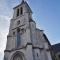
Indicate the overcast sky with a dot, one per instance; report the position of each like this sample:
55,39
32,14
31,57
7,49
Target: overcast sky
46,14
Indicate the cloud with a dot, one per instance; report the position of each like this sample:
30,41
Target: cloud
1,56
4,20
4,25
5,15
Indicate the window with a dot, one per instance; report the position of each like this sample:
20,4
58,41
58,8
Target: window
37,54
21,10
59,56
17,12
18,38
18,22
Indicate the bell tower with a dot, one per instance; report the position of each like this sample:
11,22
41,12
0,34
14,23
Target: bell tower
20,21
19,38
25,41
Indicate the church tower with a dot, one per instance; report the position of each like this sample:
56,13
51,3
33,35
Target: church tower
25,41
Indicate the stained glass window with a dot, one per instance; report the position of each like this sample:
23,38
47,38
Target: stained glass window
18,38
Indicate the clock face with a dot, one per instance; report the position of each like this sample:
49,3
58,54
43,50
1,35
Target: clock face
17,57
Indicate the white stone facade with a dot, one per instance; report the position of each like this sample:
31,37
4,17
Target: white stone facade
33,44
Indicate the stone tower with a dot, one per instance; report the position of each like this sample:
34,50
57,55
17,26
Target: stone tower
25,41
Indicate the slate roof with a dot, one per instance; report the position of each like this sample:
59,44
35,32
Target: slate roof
46,39
56,47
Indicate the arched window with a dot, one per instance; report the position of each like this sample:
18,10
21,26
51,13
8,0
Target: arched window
17,12
21,10
18,38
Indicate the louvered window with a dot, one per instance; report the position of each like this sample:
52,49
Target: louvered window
17,12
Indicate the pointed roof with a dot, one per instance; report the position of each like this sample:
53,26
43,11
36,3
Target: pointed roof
23,2
46,39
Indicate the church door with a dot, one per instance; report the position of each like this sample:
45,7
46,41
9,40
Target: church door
17,57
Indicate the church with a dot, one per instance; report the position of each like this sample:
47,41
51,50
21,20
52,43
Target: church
25,41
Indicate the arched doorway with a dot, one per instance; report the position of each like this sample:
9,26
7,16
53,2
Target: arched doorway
18,56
